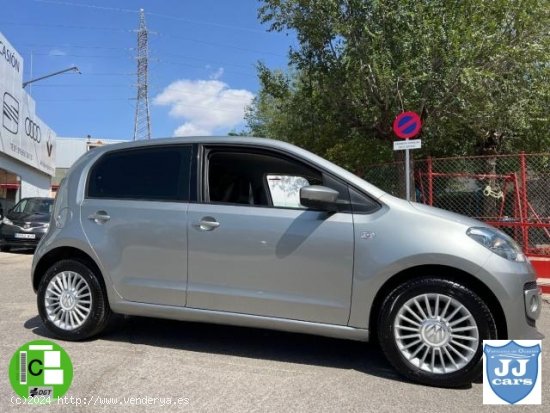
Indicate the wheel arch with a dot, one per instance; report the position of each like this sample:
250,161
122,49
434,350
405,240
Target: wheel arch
62,253
451,273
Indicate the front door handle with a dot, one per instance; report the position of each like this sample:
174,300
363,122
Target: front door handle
208,224
100,217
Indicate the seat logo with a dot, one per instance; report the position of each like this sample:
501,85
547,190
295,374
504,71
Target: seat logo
10,113
32,130
511,372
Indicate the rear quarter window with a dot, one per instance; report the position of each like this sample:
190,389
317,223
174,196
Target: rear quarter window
156,174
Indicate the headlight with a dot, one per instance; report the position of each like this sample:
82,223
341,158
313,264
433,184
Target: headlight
47,225
6,221
497,242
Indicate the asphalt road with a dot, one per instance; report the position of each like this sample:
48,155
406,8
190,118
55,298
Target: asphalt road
218,368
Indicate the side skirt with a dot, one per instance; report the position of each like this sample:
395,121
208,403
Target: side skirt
238,319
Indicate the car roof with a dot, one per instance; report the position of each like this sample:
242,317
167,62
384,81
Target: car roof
243,140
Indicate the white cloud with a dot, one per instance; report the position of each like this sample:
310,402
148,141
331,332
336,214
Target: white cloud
205,106
188,129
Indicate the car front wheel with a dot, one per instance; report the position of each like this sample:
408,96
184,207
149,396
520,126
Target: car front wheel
71,301
432,331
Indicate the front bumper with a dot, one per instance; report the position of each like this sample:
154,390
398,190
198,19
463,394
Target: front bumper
519,296
16,236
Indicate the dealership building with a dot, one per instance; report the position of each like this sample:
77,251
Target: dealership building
27,144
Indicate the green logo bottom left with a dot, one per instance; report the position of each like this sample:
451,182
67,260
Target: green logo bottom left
41,370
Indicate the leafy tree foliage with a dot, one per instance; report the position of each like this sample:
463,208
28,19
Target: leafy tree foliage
478,72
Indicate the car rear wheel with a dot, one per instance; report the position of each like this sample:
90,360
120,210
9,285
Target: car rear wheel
432,331
71,301
5,248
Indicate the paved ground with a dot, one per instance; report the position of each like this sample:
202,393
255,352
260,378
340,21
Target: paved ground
224,368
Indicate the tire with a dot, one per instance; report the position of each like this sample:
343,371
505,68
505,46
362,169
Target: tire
399,329
5,248
83,290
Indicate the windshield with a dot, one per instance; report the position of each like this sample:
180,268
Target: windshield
34,206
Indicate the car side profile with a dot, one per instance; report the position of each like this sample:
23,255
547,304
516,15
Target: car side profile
260,233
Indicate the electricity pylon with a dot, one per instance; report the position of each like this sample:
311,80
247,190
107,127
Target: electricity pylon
142,123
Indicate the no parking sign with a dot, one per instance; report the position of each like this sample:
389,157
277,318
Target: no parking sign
406,125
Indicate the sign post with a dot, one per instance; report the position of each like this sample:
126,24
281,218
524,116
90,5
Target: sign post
407,125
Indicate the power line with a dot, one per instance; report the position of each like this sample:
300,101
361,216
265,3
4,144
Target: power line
83,85
89,6
160,15
174,55
225,46
213,44
215,107
221,26
81,99
63,26
73,46
109,74
98,56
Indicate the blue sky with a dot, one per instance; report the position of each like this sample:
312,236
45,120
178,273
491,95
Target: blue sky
201,71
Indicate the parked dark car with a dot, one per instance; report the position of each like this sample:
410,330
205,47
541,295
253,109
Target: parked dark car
25,223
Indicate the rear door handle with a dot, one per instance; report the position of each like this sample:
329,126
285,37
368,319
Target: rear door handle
208,224
100,217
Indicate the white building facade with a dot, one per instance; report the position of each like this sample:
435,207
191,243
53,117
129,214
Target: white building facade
27,144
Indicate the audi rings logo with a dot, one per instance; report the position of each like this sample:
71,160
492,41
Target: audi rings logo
32,130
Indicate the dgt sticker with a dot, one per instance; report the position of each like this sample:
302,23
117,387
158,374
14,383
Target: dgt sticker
512,372
41,369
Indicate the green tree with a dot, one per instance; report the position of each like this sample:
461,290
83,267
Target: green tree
477,71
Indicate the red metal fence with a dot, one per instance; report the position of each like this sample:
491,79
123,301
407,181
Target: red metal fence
511,192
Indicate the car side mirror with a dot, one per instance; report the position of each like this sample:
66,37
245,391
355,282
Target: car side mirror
319,197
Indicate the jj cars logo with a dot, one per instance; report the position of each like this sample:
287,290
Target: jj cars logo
511,372
32,130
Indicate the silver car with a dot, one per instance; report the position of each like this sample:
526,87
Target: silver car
260,233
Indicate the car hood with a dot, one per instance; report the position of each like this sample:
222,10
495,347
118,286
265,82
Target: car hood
434,212
29,217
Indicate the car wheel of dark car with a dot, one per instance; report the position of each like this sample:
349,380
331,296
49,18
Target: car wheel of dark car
432,331
5,248
71,301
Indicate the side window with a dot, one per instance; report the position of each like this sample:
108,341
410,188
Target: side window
262,178
153,173
285,190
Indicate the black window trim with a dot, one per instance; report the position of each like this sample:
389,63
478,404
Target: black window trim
144,147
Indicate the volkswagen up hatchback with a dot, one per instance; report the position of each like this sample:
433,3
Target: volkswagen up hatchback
260,233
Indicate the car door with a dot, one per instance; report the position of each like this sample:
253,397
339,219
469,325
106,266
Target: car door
134,216
259,253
